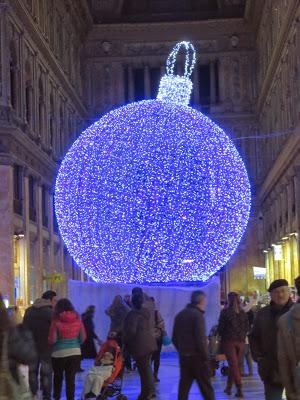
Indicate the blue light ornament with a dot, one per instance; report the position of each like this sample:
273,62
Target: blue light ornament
154,191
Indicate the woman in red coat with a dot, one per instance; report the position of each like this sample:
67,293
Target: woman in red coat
66,335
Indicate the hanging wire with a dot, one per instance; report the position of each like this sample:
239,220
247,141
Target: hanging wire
265,136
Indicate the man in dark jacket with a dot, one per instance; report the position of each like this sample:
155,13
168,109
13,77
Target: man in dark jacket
140,343
189,338
37,319
263,338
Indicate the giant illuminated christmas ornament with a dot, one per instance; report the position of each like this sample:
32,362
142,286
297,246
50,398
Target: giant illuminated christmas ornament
154,191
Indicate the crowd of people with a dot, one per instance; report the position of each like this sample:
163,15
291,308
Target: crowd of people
53,338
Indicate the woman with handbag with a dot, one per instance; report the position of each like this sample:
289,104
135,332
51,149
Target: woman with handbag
158,333
233,328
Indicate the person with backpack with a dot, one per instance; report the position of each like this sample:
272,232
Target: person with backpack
263,338
288,342
37,319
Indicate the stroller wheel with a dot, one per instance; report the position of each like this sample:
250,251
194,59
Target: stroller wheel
224,371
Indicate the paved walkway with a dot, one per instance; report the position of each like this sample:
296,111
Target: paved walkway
167,388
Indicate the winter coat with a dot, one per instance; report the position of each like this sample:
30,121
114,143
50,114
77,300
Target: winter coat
137,336
189,333
66,334
117,317
38,319
21,349
263,341
88,348
233,326
288,341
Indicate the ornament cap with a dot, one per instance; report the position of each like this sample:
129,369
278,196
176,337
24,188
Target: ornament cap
175,88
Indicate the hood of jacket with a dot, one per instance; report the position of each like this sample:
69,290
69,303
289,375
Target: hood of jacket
39,303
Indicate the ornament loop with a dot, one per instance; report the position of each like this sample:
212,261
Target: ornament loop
190,59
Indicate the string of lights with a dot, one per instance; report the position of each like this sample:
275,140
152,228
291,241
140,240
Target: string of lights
153,192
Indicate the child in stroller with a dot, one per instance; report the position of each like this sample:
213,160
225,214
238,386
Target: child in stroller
105,378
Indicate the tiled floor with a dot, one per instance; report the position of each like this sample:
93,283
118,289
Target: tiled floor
167,388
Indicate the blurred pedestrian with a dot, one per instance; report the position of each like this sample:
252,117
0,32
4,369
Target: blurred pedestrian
263,338
66,335
158,334
117,312
289,348
16,347
189,338
38,319
233,328
140,342
88,348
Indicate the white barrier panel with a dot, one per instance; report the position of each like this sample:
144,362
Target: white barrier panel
169,300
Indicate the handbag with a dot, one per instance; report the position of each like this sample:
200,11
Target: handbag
166,340
9,388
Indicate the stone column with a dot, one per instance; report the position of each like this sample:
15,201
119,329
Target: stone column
212,82
6,231
196,93
26,233
147,82
131,96
39,247
50,228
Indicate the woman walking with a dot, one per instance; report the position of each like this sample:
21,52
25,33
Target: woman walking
66,335
88,349
233,327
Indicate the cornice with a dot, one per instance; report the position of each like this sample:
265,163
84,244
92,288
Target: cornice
274,63
48,57
281,165
15,139
196,29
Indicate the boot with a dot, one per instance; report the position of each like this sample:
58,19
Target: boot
239,392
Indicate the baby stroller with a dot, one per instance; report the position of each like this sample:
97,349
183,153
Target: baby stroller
112,387
214,349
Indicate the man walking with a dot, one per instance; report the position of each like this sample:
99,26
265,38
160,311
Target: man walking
289,348
263,338
37,319
189,338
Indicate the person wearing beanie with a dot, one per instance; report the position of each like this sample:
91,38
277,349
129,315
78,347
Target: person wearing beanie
289,348
263,338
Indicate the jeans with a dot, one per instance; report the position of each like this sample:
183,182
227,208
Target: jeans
234,351
246,356
41,369
194,368
273,392
156,356
69,366
146,377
